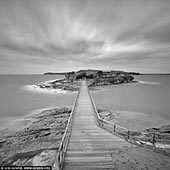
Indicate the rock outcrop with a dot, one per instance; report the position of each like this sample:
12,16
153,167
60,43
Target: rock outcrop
93,77
38,142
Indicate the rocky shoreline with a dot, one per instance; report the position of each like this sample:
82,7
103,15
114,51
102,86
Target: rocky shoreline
37,142
57,86
36,139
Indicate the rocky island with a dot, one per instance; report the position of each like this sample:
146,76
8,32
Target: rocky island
94,78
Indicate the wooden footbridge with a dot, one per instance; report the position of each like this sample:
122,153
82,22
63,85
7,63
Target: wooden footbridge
93,143
85,145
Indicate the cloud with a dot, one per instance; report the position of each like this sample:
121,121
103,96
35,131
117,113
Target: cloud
95,33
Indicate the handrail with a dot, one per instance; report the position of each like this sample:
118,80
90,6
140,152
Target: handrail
59,159
124,132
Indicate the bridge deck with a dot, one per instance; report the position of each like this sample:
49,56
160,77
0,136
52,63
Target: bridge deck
90,146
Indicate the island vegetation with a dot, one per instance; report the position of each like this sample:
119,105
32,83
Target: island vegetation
94,78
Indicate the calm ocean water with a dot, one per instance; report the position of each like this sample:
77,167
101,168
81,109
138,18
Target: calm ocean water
15,101
151,97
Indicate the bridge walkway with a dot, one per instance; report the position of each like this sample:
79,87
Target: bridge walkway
90,147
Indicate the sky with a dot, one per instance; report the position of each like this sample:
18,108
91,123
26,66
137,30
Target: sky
38,36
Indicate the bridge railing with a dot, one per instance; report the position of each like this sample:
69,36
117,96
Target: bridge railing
149,138
59,159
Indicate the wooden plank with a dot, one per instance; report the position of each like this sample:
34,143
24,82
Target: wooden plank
90,146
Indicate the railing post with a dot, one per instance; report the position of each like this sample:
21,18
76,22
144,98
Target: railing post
153,139
98,121
114,128
128,134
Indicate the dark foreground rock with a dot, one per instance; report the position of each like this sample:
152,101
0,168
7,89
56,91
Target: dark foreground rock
37,143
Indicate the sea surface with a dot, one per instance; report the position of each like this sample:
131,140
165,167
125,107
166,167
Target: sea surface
140,105
16,101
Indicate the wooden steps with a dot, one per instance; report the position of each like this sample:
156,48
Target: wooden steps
90,146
